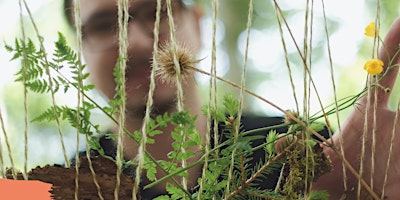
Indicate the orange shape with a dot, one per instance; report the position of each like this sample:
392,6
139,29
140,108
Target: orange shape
24,189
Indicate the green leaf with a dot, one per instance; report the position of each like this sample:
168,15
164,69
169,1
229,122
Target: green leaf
150,141
219,114
318,195
175,192
231,104
196,138
151,169
182,118
155,132
163,197
271,141
317,126
48,115
311,142
188,154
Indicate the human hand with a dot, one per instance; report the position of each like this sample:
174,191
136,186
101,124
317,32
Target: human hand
358,145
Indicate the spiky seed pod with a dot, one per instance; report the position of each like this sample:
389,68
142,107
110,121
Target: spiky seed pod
289,120
166,67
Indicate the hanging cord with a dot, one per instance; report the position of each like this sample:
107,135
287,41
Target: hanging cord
392,141
335,96
373,147
2,167
8,146
50,81
212,101
123,16
308,22
375,49
287,60
178,81
214,70
364,136
241,97
96,183
142,147
77,8
25,89
80,99
176,61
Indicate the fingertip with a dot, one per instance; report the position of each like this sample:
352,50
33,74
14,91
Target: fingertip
388,51
389,54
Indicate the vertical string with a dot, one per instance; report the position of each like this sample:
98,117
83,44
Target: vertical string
96,183
212,99
307,79
8,145
80,99
213,80
241,95
123,16
50,81
25,89
2,167
77,20
392,141
176,61
178,76
142,147
335,96
287,60
373,147
364,136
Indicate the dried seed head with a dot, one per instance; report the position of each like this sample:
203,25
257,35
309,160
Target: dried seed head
289,120
166,67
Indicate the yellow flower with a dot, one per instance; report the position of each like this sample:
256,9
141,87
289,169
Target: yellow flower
370,30
374,66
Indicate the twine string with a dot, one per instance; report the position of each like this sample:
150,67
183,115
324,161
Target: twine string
212,99
375,106
178,81
25,89
334,95
8,146
50,81
77,19
390,153
364,138
241,96
123,17
80,99
142,147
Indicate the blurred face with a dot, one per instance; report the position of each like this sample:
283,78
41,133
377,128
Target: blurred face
100,47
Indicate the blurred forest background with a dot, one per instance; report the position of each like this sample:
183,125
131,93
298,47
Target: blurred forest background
267,73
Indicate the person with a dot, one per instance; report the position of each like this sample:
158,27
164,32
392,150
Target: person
100,51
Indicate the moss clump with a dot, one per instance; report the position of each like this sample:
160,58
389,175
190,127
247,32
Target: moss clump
302,168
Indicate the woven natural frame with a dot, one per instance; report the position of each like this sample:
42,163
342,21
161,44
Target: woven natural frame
123,15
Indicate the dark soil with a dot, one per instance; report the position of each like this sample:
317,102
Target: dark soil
63,180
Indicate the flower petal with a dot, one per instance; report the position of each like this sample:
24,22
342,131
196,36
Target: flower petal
370,30
374,66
